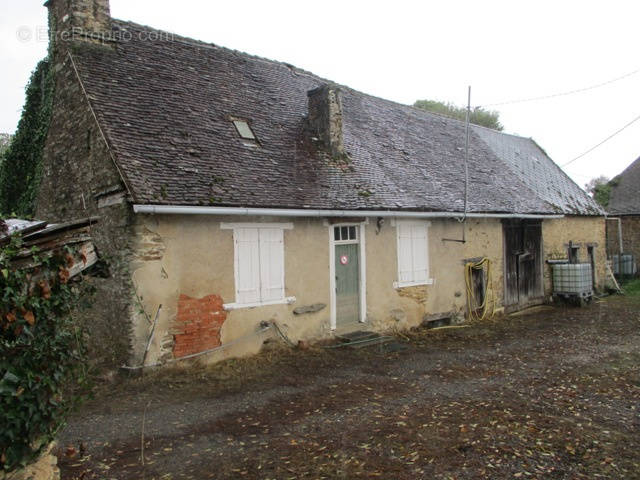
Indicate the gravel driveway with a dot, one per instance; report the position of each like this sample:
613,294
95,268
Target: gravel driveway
550,394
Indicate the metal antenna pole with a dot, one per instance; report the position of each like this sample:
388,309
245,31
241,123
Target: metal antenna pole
466,173
466,155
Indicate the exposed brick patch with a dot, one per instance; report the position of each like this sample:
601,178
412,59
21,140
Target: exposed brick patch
198,324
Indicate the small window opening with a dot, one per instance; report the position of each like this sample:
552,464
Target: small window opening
244,130
573,254
592,260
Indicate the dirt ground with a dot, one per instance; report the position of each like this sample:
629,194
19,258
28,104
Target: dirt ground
553,394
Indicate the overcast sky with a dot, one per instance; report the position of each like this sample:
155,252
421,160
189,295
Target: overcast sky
405,51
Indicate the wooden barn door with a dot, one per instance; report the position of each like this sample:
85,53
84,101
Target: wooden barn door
523,263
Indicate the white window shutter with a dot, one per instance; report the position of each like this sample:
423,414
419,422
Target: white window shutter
405,264
247,262
413,253
271,264
419,253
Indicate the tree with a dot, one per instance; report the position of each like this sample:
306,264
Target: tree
600,189
478,116
5,140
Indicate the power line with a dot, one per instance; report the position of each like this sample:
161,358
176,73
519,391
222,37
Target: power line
570,92
603,141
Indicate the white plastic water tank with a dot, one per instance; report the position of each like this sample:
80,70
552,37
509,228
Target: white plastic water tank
572,279
625,265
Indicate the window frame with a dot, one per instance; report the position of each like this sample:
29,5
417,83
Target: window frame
412,283
244,130
260,249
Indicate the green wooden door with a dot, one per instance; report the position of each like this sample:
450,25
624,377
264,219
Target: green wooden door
347,284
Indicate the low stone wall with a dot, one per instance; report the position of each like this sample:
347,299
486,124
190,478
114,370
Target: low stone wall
44,468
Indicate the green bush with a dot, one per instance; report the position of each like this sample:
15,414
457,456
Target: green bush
478,115
41,351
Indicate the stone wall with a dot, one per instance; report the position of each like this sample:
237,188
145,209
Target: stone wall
405,307
78,15
80,180
581,232
185,265
45,467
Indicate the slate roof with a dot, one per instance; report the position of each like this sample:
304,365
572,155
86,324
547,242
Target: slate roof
165,106
625,191
533,166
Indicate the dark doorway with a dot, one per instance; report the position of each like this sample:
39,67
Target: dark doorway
523,262
592,260
478,282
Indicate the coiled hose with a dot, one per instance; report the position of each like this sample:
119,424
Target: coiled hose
479,311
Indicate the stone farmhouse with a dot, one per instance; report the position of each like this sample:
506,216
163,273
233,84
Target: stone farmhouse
235,192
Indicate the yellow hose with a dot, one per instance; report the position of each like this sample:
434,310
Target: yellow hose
478,312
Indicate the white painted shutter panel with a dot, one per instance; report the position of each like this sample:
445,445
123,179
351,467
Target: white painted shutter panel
247,253
419,253
271,264
405,267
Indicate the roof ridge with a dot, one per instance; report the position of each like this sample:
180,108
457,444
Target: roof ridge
296,70
201,43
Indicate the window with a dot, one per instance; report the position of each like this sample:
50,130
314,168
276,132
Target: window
413,254
244,130
347,233
258,264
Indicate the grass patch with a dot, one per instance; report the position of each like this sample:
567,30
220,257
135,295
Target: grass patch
632,288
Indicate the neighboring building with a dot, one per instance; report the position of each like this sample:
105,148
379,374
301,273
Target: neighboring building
624,204
234,190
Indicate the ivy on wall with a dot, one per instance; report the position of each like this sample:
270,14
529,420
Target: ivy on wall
20,168
42,353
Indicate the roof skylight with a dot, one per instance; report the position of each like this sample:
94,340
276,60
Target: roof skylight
244,130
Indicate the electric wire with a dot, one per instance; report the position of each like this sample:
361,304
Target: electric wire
562,94
602,142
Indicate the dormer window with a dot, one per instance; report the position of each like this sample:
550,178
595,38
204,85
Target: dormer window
244,130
